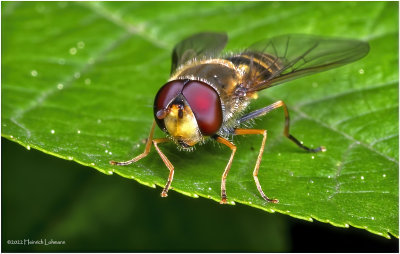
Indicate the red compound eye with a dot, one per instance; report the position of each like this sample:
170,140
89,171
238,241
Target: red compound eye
206,106
165,95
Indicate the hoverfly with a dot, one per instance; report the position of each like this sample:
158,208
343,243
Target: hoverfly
207,94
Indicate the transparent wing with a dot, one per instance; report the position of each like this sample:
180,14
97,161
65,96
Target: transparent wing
199,45
294,56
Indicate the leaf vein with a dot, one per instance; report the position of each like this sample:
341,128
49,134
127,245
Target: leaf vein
369,147
339,170
349,92
364,114
384,139
130,28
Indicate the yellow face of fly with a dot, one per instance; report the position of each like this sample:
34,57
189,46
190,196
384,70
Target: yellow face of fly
182,126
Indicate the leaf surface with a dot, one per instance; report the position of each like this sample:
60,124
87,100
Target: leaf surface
79,79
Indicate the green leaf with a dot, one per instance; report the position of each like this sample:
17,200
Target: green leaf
79,79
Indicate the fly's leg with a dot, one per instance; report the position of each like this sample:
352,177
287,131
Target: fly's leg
257,167
261,112
142,155
146,152
166,162
267,109
228,166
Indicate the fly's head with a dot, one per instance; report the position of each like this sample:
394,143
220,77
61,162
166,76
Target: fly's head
188,110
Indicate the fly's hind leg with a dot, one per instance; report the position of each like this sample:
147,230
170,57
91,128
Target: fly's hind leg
267,109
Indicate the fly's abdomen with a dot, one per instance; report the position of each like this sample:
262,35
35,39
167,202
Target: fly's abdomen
255,66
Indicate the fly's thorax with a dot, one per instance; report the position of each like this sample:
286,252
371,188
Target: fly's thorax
224,76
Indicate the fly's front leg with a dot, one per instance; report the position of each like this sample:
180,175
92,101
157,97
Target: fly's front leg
267,109
257,167
167,163
142,155
228,166
146,151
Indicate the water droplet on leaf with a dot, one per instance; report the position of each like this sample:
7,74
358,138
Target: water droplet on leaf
73,51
